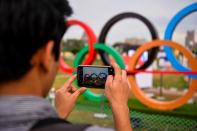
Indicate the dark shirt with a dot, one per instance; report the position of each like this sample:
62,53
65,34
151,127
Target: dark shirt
20,113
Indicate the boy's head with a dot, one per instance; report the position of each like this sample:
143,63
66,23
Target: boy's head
25,27
29,29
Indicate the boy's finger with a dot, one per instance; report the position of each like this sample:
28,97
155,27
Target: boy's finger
117,71
73,88
69,82
109,81
78,92
124,75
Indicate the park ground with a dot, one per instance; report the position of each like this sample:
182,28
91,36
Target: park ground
85,109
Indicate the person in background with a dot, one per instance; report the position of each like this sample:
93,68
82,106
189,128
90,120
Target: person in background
30,35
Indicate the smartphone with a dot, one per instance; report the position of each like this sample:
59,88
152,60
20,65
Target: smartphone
93,76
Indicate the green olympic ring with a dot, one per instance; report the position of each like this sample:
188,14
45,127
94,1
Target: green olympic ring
98,46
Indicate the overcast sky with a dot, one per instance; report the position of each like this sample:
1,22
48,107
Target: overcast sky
97,12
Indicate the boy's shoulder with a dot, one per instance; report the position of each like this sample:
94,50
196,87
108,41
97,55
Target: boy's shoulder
56,124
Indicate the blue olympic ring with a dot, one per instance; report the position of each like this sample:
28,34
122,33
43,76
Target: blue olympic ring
168,36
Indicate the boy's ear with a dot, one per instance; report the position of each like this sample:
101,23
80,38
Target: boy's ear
48,55
44,57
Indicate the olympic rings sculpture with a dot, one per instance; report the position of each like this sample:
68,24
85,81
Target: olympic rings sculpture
152,46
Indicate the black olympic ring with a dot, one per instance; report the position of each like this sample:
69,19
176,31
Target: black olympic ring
154,35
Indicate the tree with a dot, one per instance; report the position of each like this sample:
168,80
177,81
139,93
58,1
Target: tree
73,45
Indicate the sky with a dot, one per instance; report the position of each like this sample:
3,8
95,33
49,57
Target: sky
96,13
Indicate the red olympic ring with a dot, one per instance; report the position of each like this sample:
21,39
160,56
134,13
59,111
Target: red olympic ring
91,40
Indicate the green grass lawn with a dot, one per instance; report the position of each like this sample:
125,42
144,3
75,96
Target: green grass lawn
170,80
140,120
85,110
187,110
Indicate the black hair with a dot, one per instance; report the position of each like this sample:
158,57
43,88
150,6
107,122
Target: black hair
25,27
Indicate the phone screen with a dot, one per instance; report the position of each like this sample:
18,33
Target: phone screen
93,76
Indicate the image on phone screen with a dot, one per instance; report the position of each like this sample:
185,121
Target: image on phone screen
94,76
90,76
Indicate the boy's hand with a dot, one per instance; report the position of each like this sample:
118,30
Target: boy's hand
117,92
66,97
117,87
